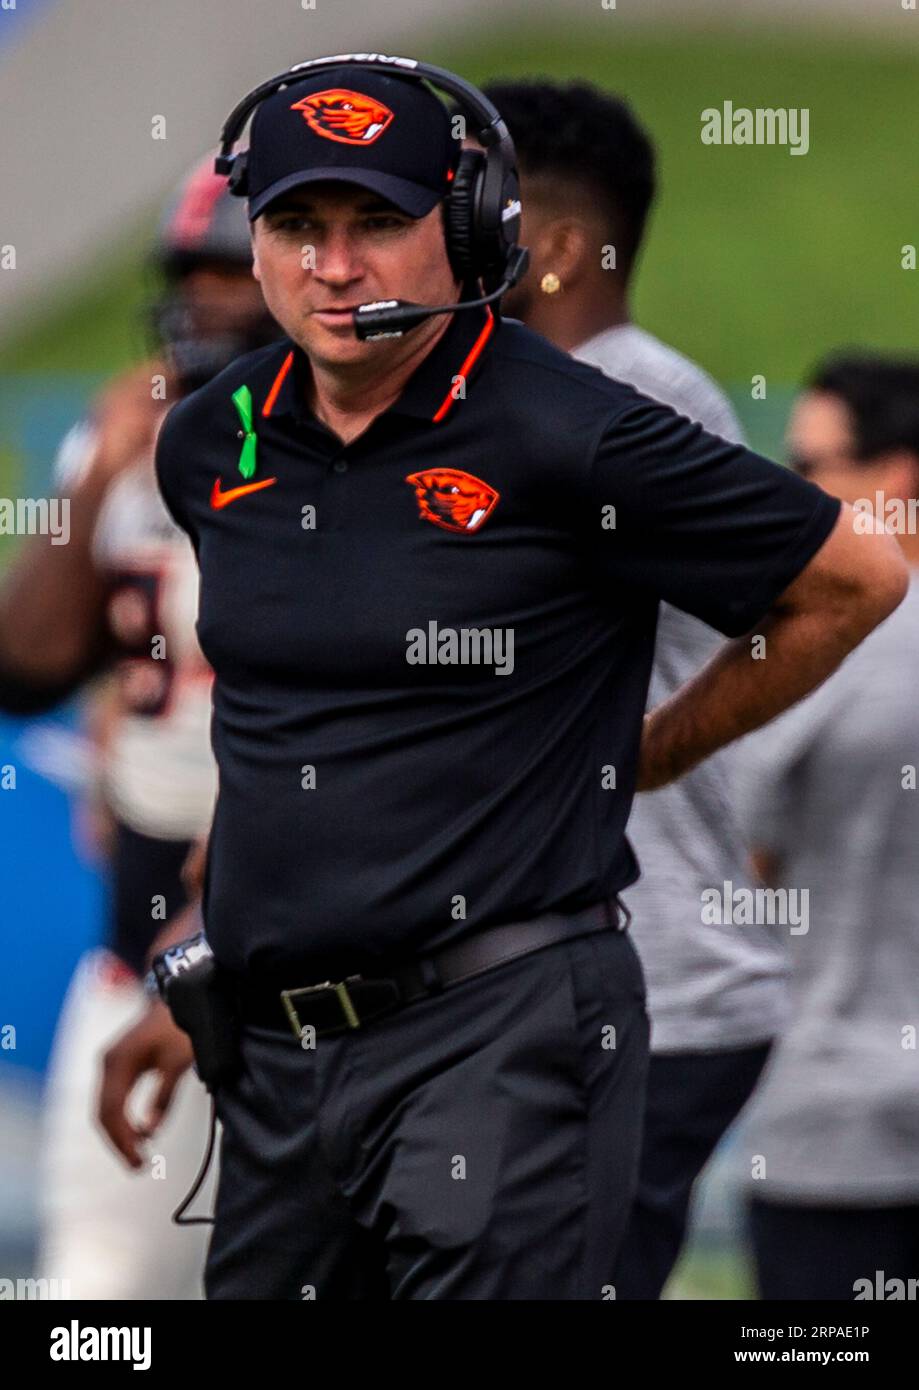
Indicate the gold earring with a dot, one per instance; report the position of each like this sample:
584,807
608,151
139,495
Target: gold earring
550,283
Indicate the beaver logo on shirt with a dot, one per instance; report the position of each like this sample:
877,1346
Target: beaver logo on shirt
452,499
339,114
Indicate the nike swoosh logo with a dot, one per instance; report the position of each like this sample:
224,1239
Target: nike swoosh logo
223,499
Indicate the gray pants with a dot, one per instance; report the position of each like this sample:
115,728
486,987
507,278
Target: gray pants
479,1144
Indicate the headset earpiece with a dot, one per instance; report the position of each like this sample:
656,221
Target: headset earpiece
238,179
497,215
460,207
482,215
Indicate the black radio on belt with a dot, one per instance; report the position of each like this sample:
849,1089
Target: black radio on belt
189,981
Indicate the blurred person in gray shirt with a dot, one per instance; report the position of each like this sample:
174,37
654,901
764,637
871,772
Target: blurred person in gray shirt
829,793
716,994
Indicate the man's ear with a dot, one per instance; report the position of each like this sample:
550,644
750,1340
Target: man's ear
256,270
566,244
900,472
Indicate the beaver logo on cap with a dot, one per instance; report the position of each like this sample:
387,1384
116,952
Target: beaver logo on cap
350,117
454,500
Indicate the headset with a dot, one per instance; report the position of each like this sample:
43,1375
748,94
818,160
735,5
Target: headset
482,207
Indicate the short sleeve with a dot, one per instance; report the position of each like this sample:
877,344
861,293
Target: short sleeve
169,472
709,526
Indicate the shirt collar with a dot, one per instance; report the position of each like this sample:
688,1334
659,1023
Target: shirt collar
430,392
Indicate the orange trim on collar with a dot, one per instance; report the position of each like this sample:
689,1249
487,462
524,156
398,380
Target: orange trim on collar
277,384
469,362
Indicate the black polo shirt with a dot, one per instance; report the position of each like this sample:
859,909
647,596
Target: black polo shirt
387,783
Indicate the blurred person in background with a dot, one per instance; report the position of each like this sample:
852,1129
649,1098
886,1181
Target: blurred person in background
121,599
831,801
716,995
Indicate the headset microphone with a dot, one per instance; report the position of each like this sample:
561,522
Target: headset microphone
390,318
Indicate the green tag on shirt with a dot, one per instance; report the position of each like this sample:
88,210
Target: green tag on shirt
242,399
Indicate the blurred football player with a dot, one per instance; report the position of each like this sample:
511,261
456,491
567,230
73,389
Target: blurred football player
716,998
121,600
829,795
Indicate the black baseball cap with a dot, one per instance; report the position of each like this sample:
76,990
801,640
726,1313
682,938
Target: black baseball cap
389,134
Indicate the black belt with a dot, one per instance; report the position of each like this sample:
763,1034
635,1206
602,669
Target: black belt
337,1007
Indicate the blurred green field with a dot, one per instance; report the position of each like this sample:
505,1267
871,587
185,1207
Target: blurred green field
707,1273
757,262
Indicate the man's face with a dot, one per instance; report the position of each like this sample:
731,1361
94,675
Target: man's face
326,248
821,443
221,298
822,447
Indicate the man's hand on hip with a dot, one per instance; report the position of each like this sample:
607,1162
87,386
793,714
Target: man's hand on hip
852,583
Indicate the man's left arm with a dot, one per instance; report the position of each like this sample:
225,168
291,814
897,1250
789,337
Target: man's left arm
852,583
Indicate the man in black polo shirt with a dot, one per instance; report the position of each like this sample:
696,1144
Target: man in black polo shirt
430,573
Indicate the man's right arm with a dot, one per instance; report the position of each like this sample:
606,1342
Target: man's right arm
52,606
52,603
154,1043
